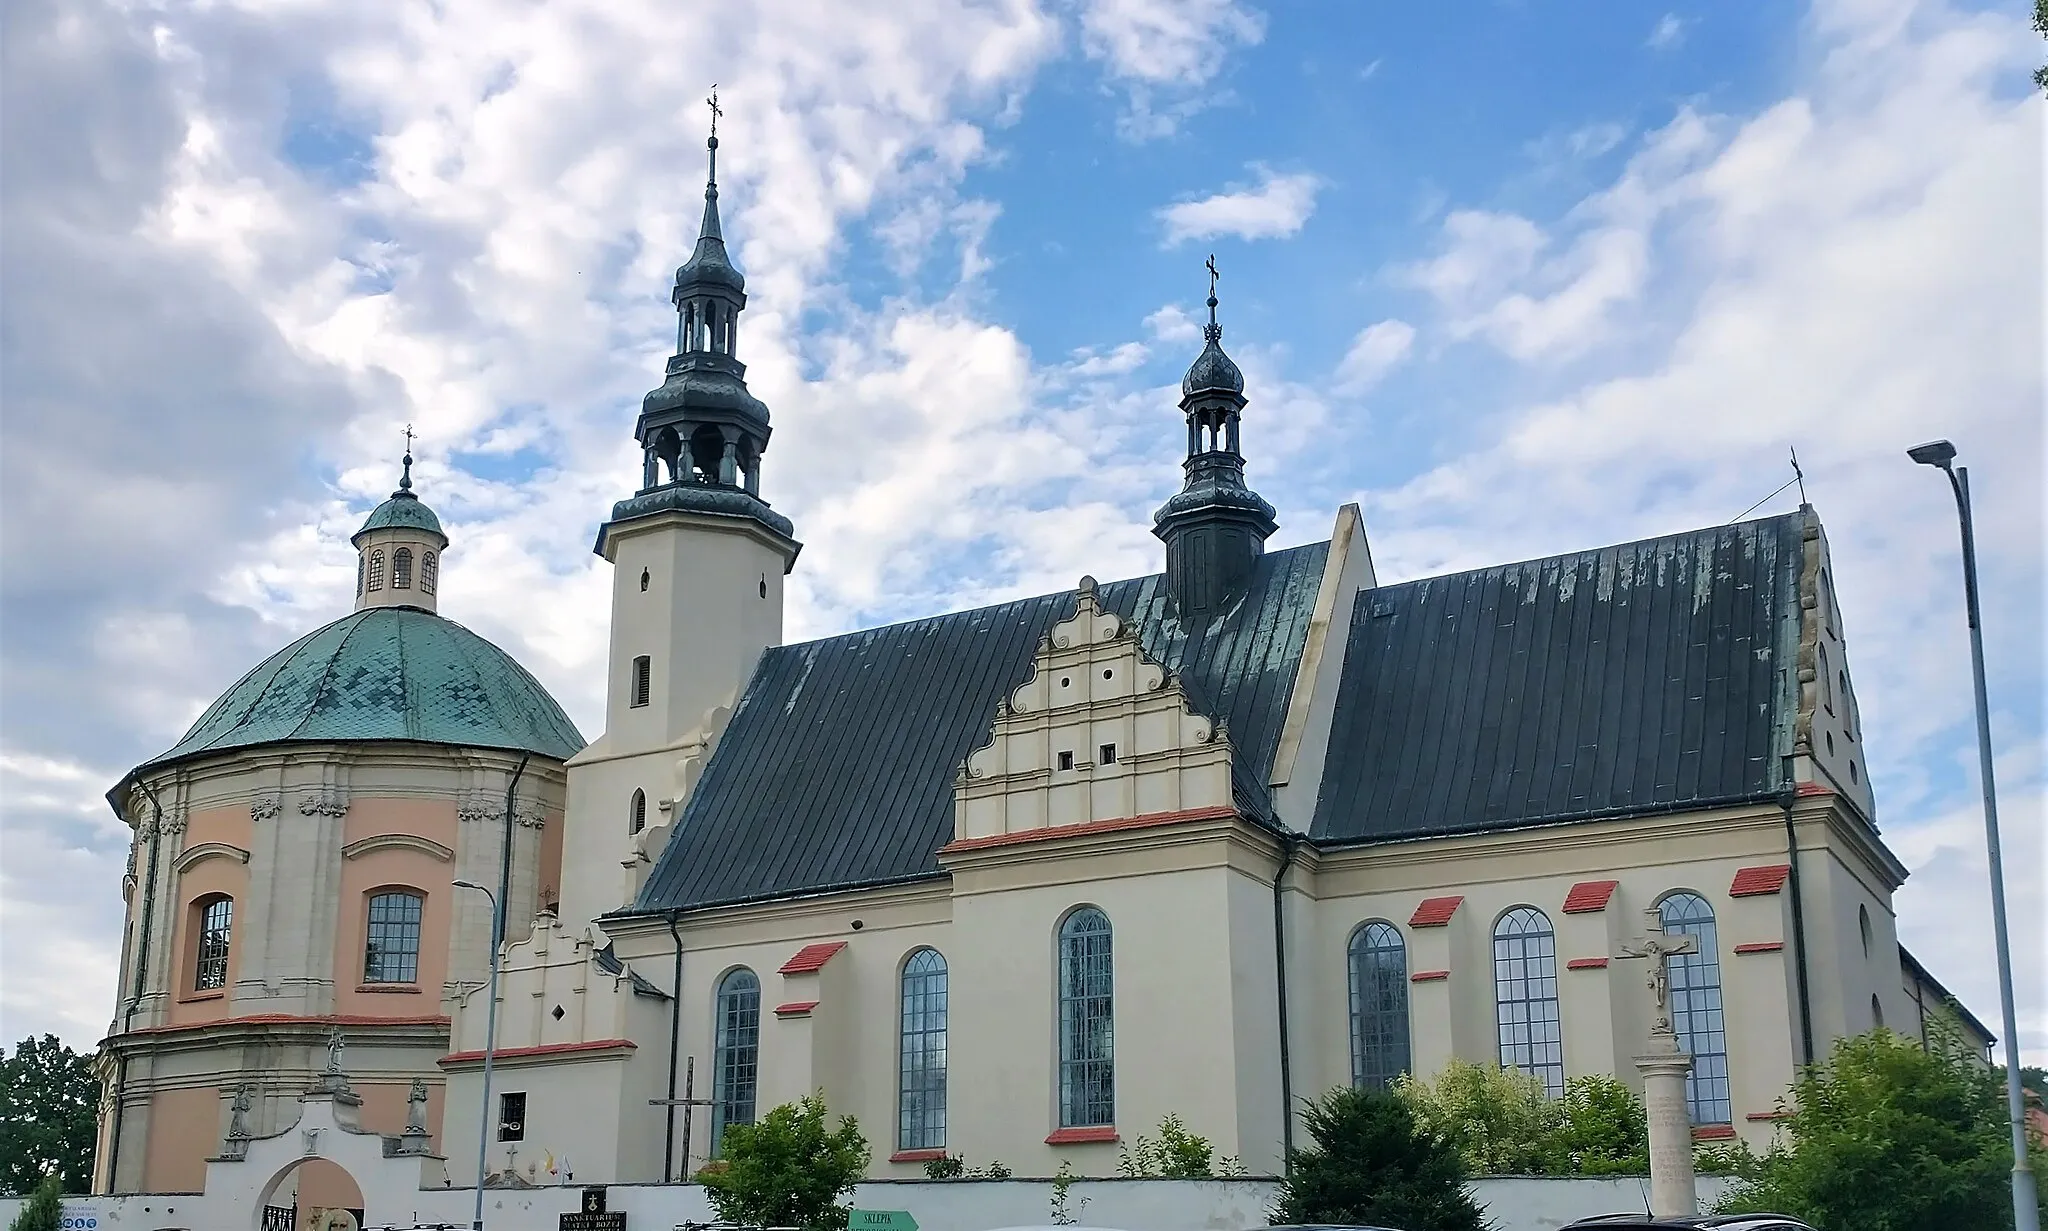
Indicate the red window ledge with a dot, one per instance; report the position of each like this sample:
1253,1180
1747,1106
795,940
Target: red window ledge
389,989
1714,1132
1435,912
215,994
1768,1115
796,1008
1759,881
1586,963
1762,946
1428,976
1587,897
1081,1136
917,1156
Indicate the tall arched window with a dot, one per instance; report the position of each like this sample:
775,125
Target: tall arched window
1087,1010
921,1077
216,933
736,1054
430,571
376,571
638,812
360,563
1525,996
401,569
391,939
1379,1006
1824,675
1696,1007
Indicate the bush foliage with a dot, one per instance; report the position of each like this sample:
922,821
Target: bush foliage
1372,1164
1501,1123
1888,1135
788,1170
44,1211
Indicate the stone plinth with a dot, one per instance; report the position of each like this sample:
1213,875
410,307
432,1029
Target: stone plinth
1664,1068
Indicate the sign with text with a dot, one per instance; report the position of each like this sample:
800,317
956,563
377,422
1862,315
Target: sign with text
880,1220
611,1220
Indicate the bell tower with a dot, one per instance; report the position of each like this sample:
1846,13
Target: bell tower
698,561
1215,527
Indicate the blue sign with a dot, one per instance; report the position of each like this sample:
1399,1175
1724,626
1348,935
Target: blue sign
79,1220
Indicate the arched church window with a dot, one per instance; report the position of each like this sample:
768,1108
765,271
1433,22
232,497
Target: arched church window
391,948
1863,926
216,934
1087,1011
1525,997
639,811
1696,1013
1378,964
921,1076
736,1053
1826,677
430,571
401,569
376,570
643,675
360,563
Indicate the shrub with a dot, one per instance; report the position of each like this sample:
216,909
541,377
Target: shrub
1498,1120
1599,1128
1887,1135
1065,1211
44,1210
788,1170
945,1167
1176,1154
1372,1164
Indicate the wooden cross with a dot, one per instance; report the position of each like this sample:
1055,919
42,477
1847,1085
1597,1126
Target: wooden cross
687,1102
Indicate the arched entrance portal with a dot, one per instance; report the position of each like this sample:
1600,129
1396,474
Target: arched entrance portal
312,1194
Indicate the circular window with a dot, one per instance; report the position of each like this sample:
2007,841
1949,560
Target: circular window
1065,681
1106,673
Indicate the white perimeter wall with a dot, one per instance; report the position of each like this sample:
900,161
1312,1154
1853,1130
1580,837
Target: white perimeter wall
1514,1203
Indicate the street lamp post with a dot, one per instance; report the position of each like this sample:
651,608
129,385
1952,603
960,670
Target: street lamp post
483,1131
2026,1214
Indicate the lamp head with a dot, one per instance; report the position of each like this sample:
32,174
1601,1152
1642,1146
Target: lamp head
1933,453
460,884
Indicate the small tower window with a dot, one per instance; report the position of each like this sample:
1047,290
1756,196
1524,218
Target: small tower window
639,821
216,931
646,578
401,569
360,562
1108,754
376,571
430,571
1066,760
643,676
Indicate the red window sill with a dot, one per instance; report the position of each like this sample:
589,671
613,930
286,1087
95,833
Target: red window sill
390,989
1429,976
1768,1115
1586,963
916,1156
1082,1136
219,993
1764,946
1714,1132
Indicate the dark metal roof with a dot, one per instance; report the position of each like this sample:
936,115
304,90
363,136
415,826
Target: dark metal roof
1644,677
837,767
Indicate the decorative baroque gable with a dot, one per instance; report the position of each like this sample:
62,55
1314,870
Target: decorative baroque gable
1091,688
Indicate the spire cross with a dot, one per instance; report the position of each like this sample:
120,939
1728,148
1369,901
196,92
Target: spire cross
1210,265
405,479
716,110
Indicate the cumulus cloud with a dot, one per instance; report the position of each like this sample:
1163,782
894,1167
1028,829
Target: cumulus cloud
1668,32
1378,349
1274,208
1164,52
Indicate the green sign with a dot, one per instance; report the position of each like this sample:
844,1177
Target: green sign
880,1220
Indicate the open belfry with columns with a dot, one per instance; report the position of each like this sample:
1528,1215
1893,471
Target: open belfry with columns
1012,883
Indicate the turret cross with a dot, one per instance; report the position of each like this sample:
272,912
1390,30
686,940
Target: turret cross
716,110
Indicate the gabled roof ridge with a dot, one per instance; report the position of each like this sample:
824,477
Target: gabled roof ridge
1007,603
1583,552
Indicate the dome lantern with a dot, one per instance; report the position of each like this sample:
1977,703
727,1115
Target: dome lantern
399,549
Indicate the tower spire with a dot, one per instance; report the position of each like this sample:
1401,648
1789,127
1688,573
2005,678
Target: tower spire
1215,527
405,475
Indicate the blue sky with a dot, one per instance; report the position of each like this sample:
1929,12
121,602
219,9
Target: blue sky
1519,278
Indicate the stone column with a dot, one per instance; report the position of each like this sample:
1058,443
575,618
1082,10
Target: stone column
1664,1068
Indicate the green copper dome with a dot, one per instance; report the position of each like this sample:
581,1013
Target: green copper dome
403,510
385,673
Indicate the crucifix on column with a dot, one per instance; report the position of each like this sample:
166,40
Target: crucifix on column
1664,1067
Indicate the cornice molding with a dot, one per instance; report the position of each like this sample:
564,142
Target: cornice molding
397,841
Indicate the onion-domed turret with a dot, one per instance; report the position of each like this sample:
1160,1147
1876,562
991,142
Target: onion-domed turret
1215,527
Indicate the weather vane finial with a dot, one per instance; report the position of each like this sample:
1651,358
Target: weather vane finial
405,478
1210,265
716,111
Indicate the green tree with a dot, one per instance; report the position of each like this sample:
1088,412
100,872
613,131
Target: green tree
1373,1165
2041,27
1498,1120
1887,1135
48,1103
1600,1129
788,1170
44,1211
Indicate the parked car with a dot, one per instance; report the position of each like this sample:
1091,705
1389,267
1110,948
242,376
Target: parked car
1688,1222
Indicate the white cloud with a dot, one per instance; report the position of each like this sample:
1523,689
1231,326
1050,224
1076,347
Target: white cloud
1274,208
1377,350
1851,270
1172,323
1668,33
1164,52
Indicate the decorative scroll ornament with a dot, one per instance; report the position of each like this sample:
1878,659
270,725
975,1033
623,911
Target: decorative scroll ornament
323,803
263,807
174,823
530,819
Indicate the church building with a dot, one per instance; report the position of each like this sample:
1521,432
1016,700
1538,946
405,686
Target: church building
1015,883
